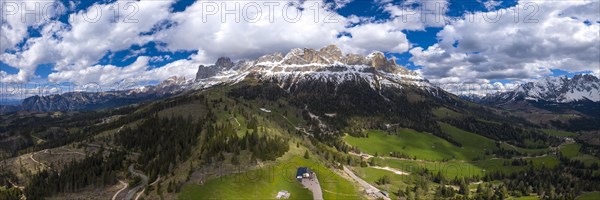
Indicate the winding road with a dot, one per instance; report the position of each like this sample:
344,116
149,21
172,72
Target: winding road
137,188
364,184
121,190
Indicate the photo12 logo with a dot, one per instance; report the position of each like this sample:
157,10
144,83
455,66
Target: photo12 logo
265,11
35,12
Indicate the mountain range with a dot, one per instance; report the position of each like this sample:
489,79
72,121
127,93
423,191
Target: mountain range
298,66
329,65
581,93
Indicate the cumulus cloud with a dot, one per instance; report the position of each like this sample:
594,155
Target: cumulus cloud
265,27
485,46
417,14
137,72
474,48
15,22
237,29
87,37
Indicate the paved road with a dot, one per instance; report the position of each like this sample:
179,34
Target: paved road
314,186
365,185
124,187
142,185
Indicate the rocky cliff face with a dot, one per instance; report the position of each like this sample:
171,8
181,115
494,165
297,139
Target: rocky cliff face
299,65
222,64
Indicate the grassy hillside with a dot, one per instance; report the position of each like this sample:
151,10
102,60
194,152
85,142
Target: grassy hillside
472,144
589,196
460,169
416,144
264,183
559,133
571,151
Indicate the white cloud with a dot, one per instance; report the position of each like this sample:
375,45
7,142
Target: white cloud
479,89
87,38
417,14
504,49
220,34
374,36
76,47
137,72
490,4
16,21
103,74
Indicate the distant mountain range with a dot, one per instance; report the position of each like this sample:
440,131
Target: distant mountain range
557,94
582,87
76,101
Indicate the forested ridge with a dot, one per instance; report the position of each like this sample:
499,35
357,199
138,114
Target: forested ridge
96,170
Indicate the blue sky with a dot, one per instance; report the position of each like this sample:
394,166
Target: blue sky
171,37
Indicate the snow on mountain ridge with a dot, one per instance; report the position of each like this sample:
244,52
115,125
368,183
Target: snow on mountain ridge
326,64
554,89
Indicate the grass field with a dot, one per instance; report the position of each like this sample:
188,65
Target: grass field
422,145
525,198
474,145
587,159
459,169
371,175
432,148
570,150
524,150
559,133
443,112
589,196
264,183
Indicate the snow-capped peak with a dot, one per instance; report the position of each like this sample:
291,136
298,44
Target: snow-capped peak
559,89
326,64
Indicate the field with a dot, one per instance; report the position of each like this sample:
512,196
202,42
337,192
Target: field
443,112
452,169
559,133
589,196
472,143
572,151
264,183
524,150
428,147
371,175
420,145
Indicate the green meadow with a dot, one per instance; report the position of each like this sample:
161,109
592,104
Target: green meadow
589,196
559,133
421,145
371,175
452,169
572,151
264,183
